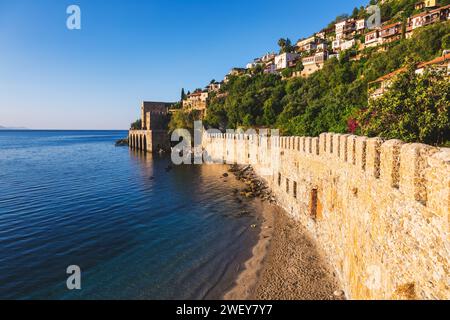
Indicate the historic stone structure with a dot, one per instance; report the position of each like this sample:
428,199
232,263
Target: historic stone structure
153,135
379,209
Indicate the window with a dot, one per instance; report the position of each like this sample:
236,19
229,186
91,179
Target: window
287,185
279,179
295,189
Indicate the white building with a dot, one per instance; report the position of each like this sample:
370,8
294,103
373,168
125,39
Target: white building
333,55
284,60
336,45
372,39
340,30
341,45
345,28
268,57
214,86
348,44
322,47
307,44
254,63
321,35
360,25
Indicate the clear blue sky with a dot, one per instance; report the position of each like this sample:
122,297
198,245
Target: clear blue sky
134,50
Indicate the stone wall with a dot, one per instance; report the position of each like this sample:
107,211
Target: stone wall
153,135
379,209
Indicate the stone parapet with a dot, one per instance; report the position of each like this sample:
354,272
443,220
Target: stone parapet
379,209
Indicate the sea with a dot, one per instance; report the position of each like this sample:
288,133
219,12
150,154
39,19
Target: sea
134,225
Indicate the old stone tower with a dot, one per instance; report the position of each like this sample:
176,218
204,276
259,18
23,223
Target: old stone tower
153,135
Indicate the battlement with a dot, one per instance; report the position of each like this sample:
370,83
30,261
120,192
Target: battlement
382,205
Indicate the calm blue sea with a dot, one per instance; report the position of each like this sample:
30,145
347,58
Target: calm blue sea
135,230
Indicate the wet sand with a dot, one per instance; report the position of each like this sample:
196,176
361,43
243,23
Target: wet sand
286,263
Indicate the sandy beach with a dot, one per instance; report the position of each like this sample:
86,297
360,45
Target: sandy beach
286,263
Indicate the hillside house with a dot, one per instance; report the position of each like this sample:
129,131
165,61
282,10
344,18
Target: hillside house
372,38
309,44
380,86
268,57
345,29
313,63
341,45
198,100
391,32
430,17
426,4
360,26
234,72
322,47
336,44
321,35
347,44
214,86
285,60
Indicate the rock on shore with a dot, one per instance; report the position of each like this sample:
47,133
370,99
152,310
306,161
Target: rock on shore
122,142
255,186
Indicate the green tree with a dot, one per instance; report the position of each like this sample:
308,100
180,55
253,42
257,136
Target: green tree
331,99
285,45
286,73
415,109
182,119
137,125
446,42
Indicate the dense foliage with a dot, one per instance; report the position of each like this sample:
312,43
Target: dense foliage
137,125
416,108
331,99
335,98
401,9
182,119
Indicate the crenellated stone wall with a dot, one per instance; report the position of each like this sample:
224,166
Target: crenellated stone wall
379,209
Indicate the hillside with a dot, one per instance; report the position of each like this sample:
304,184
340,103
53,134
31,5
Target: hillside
335,98
329,100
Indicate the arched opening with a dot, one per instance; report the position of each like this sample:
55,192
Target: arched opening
131,141
144,143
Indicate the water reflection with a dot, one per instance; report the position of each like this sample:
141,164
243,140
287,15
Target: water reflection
137,230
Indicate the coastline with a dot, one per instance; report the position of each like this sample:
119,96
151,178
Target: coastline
286,263
248,279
